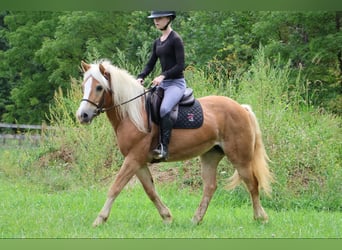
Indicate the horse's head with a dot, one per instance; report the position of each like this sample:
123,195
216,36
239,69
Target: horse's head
96,92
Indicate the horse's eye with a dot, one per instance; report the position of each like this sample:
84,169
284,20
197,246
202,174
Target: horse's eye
99,88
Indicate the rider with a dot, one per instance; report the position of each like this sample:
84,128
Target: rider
169,49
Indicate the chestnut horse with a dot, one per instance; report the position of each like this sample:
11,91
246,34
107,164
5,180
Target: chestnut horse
229,129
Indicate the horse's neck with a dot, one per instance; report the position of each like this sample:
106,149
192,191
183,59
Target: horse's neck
127,134
119,123
114,118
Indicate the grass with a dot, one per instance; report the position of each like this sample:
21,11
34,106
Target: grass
30,211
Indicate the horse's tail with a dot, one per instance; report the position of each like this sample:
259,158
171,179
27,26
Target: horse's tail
259,162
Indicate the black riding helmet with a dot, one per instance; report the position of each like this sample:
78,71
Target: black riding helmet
156,14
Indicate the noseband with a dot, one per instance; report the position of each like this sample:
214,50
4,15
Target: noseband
99,107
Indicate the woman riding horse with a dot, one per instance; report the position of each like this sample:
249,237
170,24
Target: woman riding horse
169,49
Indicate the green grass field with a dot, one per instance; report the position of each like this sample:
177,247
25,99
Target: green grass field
30,211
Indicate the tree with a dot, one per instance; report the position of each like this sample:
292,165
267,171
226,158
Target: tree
220,41
77,35
24,74
45,49
40,51
312,41
4,87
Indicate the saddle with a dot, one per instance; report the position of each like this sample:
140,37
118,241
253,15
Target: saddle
187,113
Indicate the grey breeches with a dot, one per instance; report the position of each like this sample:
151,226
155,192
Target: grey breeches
173,92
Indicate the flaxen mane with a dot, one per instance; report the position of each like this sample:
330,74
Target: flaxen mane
125,87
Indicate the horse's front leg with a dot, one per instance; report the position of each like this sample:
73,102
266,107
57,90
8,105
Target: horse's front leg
146,180
126,172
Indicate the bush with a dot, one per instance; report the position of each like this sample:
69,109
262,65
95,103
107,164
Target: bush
302,142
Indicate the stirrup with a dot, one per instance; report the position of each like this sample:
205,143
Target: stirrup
159,153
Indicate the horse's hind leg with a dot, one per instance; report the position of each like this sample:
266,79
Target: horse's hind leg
246,174
145,177
209,162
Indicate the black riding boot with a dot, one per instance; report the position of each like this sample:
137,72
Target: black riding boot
165,133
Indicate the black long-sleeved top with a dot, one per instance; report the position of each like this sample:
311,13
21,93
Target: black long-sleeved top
171,56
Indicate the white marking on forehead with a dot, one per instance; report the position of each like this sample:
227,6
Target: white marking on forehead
86,93
87,88
94,72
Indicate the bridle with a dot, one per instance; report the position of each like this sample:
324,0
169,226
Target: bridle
99,107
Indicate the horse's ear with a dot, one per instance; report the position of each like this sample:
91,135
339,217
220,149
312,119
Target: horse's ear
102,69
104,72
84,66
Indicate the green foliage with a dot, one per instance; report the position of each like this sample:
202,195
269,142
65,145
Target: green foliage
45,50
312,41
21,71
226,44
40,51
303,144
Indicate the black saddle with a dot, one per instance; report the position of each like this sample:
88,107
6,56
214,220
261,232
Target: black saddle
187,113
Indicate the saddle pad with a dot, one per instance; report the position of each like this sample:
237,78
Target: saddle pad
189,116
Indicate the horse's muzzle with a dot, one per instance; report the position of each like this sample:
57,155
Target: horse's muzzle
85,117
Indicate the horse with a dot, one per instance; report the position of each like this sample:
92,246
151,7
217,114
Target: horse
229,129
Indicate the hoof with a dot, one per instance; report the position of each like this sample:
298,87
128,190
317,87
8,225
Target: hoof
263,219
195,221
99,220
260,215
167,220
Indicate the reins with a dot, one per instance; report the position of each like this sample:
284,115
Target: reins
101,109
150,89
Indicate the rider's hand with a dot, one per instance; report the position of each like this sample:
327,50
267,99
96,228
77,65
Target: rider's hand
158,79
